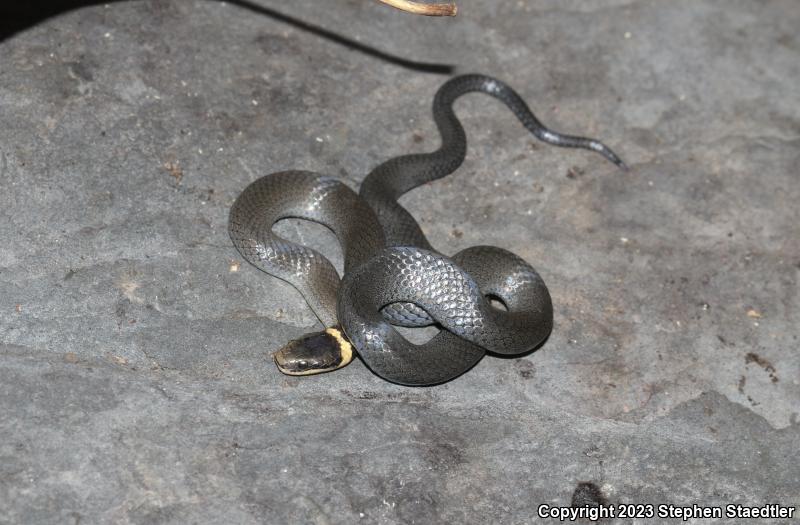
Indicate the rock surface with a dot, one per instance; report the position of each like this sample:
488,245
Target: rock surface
135,380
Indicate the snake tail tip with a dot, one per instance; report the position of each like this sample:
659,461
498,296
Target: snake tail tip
618,162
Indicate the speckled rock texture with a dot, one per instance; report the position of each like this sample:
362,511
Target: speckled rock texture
135,378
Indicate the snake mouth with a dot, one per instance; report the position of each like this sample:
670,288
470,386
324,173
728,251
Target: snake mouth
314,353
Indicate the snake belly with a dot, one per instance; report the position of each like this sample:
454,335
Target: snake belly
393,276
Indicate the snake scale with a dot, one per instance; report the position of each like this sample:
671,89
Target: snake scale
392,275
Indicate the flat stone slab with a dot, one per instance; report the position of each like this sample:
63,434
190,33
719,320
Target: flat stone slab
136,384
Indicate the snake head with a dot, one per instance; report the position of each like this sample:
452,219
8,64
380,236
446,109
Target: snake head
314,353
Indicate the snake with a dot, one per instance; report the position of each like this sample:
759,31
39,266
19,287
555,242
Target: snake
483,299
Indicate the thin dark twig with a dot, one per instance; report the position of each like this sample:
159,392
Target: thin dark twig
18,16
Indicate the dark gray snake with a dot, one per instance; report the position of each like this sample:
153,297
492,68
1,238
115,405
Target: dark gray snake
392,274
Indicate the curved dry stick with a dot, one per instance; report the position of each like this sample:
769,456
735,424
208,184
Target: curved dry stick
423,9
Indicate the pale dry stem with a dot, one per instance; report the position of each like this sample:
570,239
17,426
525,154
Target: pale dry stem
423,9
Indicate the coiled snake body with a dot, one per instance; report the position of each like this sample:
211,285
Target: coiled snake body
392,274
